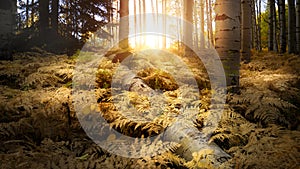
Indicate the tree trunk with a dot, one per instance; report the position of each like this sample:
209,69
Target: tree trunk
246,30
144,23
44,18
54,15
254,32
164,12
282,21
292,27
275,43
187,27
27,13
298,25
228,42
124,24
140,23
8,10
210,23
271,4
202,41
135,22
196,40
32,12
259,47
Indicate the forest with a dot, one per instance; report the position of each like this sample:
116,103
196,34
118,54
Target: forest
150,84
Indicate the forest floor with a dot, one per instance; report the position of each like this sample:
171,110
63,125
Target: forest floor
260,126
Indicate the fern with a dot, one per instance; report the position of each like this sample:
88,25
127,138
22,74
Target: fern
263,107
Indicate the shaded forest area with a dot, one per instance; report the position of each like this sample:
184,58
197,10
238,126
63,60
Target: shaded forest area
43,42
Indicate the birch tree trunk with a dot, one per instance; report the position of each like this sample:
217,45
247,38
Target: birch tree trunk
292,27
228,38
246,30
282,23
124,24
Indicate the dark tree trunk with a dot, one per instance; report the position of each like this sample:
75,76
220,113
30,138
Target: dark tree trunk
254,31
27,13
259,48
32,11
8,10
292,27
282,21
275,43
44,18
271,4
246,30
54,16
298,25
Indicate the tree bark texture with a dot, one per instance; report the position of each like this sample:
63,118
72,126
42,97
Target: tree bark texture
298,25
271,4
124,24
282,22
227,39
188,25
292,27
8,10
246,30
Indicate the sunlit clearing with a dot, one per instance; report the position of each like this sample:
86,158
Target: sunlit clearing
149,41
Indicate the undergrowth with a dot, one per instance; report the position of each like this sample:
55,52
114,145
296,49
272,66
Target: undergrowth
39,128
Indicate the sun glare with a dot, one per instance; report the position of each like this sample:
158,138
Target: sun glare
136,27
149,41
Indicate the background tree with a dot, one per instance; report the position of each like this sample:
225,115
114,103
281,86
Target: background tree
271,5
258,25
202,41
43,19
282,23
274,15
187,27
292,27
54,16
124,24
246,30
298,25
7,27
228,38
209,22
